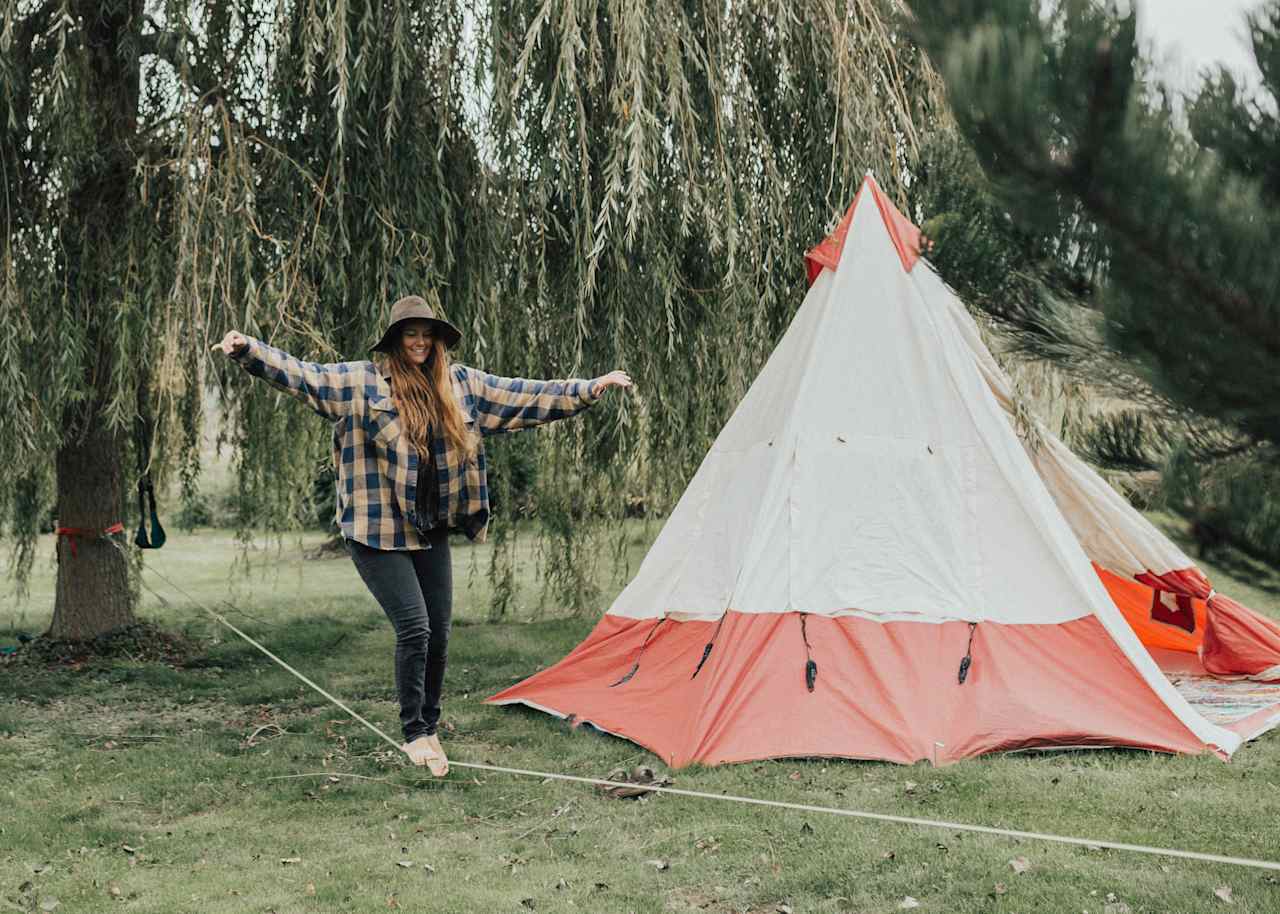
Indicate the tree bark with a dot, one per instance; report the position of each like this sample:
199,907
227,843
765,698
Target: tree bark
93,594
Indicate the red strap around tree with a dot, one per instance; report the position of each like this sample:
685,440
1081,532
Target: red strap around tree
87,532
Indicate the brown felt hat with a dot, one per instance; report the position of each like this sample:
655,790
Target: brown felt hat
408,308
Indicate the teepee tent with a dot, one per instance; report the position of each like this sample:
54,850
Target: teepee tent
871,562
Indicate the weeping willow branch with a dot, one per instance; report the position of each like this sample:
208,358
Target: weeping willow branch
580,185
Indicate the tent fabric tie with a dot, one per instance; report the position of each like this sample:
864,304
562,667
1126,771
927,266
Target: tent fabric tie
706,651
636,666
74,533
968,656
754,801
810,668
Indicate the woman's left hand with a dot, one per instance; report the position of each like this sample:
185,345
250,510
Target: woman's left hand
612,379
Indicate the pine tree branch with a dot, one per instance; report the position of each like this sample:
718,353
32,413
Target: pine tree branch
1186,236
1237,309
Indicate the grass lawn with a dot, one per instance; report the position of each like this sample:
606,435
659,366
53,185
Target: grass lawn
227,786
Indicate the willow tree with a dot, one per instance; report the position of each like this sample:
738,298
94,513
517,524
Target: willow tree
579,185
663,166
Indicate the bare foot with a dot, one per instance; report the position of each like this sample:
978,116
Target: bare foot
440,765
424,751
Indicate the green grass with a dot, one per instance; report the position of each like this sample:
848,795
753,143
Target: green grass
141,780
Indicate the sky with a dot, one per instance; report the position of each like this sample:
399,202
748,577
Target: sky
1185,36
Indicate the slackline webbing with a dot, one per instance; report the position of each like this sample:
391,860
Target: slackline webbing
755,801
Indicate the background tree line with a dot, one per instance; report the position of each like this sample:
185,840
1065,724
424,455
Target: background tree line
581,185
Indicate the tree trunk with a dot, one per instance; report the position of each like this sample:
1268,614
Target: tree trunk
93,594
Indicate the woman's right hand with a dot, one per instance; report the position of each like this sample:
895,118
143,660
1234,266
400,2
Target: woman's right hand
234,342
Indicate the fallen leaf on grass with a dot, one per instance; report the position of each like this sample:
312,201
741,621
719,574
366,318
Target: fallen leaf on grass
1223,892
1020,865
113,890
310,889
1001,888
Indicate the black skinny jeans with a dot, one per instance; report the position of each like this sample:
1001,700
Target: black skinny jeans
415,589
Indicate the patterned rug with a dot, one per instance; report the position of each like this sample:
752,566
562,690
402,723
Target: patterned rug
1225,701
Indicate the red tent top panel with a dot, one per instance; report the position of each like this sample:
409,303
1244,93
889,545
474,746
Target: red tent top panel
906,237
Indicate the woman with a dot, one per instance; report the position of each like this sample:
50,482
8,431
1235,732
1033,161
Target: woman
411,467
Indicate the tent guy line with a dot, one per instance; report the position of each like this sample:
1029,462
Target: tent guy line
753,801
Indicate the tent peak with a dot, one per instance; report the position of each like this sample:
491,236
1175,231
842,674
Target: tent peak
902,232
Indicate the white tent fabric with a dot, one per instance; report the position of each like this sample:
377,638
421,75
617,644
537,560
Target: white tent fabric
1111,531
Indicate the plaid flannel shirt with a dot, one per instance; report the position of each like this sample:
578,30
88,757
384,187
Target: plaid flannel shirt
376,464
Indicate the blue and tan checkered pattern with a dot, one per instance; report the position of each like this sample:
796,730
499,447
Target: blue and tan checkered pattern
377,465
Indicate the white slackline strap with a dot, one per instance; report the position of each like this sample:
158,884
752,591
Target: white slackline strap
754,801
901,820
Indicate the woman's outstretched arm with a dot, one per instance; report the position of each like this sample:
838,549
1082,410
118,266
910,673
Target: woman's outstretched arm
507,404
331,389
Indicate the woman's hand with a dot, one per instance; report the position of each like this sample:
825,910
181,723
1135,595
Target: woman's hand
232,343
612,379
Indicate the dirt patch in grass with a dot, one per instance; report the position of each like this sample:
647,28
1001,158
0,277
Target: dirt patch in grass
140,642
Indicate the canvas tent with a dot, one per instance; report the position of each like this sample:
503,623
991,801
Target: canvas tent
873,562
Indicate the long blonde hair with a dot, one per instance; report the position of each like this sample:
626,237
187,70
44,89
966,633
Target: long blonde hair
425,400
